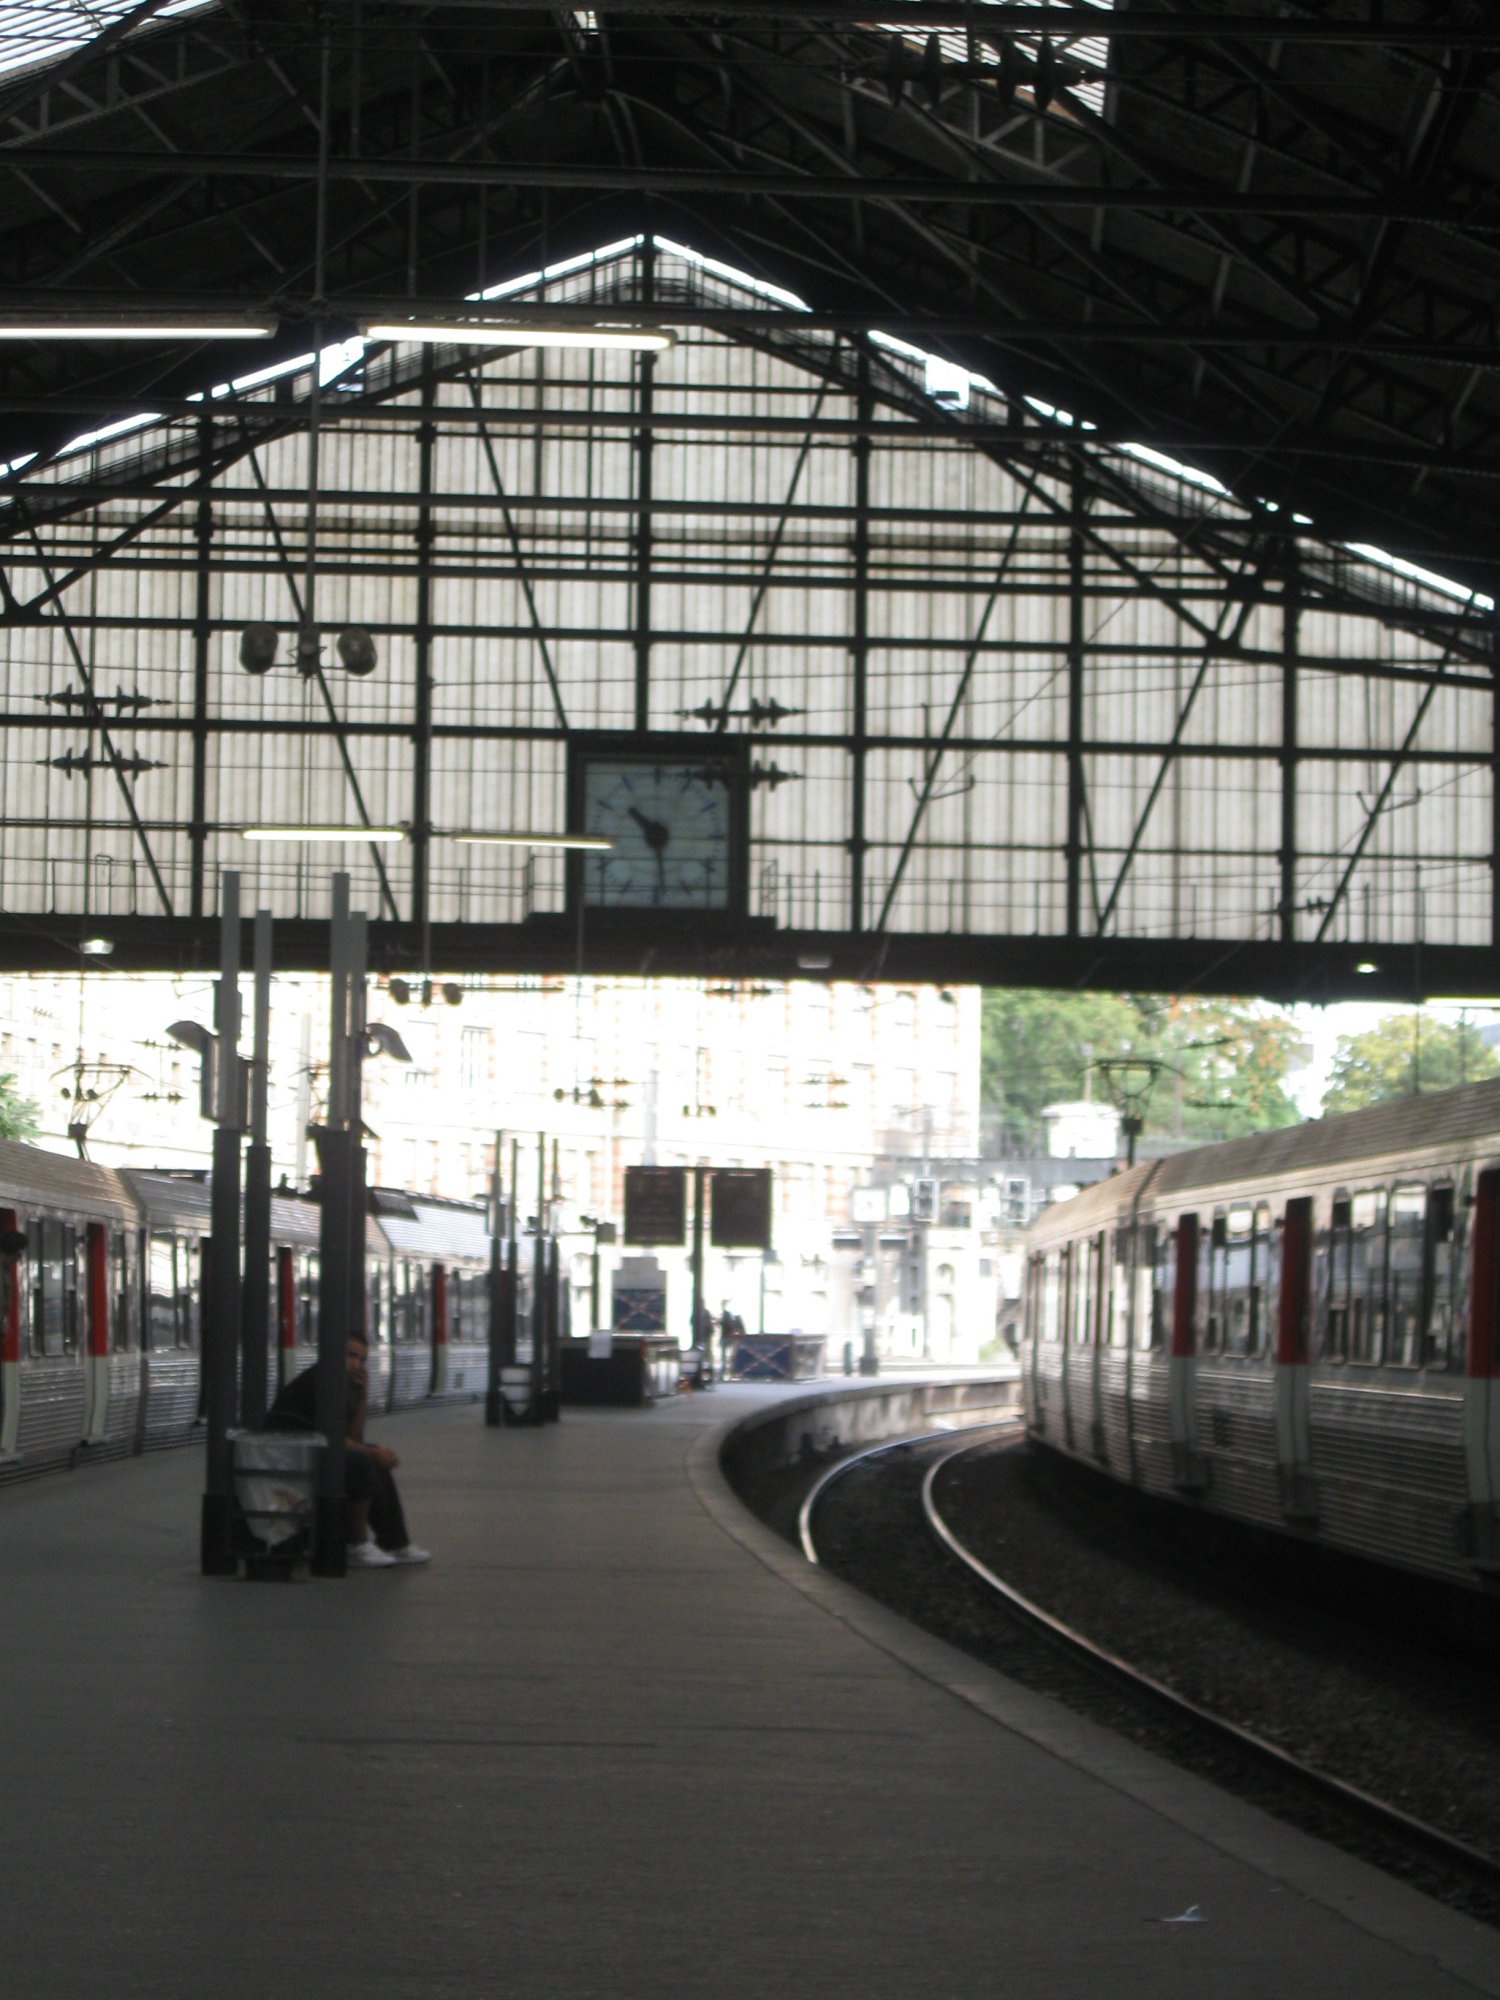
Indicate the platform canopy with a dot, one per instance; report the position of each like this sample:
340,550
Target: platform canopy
1063,491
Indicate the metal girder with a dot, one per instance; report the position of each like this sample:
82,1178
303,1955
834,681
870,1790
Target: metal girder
92,719
769,564
940,746
550,948
1210,658
336,725
1061,22
1400,204
1382,799
523,573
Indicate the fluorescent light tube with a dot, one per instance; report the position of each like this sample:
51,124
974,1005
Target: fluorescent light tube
13,327
480,333
593,842
323,833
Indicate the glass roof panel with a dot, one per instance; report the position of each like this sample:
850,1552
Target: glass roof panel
36,32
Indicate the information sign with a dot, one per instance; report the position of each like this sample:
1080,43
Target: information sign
740,1208
656,1205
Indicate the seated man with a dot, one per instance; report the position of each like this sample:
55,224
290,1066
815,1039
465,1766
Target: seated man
376,1524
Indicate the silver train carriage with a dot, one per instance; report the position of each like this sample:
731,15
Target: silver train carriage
100,1317
1297,1330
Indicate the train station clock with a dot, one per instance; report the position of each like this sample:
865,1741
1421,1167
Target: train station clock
675,809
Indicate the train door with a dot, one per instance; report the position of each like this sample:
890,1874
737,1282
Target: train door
1188,1470
11,1297
439,1330
1294,1466
1481,1395
97,1321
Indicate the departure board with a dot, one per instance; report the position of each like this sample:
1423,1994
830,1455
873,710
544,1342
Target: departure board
656,1205
740,1208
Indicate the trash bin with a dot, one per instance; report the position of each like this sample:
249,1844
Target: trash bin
275,1493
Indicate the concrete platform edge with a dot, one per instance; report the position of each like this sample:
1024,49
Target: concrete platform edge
1361,1895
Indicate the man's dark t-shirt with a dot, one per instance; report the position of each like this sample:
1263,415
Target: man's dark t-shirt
296,1406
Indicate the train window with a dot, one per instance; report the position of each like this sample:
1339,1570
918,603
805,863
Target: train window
1143,1289
72,1308
1262,1277
1443,1346
1333,1273
1151,1330
47,1307
189,1263
1236,1256
161,1293
1406,1275
1367,1276
1051,1316
1081,1303
120,1292
307,1299
1117,1306
1212,1249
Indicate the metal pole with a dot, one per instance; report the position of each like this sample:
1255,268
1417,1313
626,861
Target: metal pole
706,1367
334,1145
221,1319
539,1288
255,1327
492,1410
354,1077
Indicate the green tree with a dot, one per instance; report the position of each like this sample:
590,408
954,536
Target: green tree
1404,1055
1199,1069
1229,1061
18,1115
1036,1045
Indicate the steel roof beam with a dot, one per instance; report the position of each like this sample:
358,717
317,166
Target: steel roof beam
1060,23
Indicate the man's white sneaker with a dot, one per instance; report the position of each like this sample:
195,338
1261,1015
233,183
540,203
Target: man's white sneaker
367,1555
410,1554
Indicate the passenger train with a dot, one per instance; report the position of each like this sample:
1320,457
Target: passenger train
1296,1330
100,1347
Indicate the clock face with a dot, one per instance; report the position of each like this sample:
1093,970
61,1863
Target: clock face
670,822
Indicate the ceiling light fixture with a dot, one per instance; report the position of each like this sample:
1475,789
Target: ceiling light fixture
323,833
592,842
156,326
497,333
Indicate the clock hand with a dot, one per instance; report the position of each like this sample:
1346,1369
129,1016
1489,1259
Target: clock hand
657,835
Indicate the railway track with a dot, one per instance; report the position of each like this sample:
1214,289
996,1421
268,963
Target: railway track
1451,1868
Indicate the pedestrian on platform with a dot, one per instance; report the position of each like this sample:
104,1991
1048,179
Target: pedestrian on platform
376,1524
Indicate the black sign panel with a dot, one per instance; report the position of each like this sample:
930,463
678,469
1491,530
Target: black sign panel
656,1205
740,1208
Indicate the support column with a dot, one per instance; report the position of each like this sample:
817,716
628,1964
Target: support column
256,1314
495,1295
644,447
859,649
1073,920
203,530
335,1143
1291,619
421,804
221,1303
700,1189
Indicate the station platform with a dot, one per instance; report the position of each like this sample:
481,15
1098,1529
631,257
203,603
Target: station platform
615,1740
